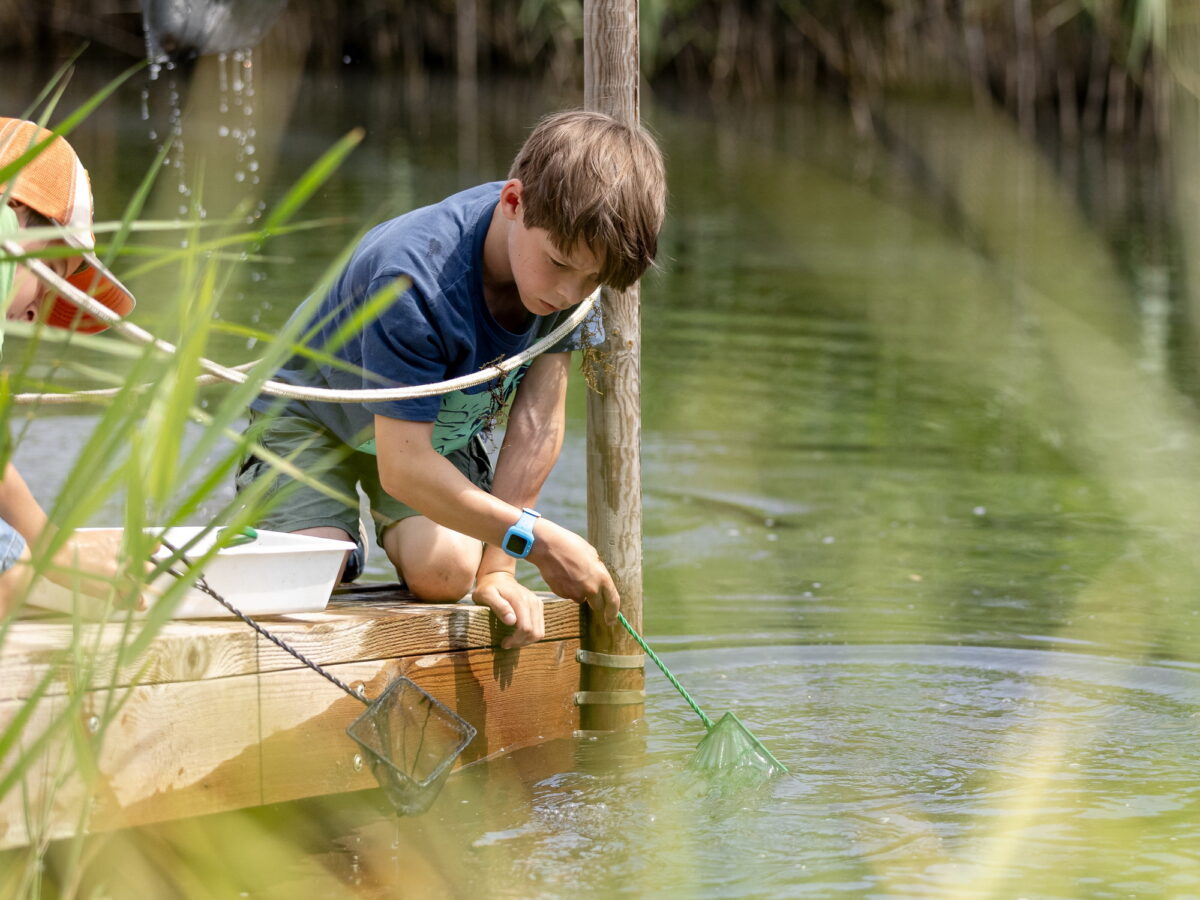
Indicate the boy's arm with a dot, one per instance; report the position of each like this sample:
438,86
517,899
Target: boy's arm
416,474
533,438
532,441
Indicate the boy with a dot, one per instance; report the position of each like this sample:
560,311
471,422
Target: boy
50,189
488,271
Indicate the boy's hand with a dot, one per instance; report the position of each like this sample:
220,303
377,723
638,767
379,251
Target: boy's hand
573,569
514,604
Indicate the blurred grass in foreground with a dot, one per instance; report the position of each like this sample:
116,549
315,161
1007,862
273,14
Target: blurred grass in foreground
138,457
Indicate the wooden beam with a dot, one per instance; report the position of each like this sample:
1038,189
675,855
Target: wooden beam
614,497
221,719
371,623
193,748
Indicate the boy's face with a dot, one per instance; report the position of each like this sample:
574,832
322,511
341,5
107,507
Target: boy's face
30,293
548,279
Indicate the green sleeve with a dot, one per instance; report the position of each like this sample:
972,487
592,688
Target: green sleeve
8,269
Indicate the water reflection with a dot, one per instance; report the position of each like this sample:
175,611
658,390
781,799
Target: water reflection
920,507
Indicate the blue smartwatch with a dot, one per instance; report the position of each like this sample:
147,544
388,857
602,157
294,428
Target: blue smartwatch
518,540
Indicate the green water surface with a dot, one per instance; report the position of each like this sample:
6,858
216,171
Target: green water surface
920,481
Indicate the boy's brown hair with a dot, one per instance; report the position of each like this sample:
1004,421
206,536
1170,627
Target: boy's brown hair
585,176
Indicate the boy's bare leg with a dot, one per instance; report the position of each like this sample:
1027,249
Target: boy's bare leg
333,534
436,563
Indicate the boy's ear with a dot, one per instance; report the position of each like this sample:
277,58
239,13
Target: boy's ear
510,198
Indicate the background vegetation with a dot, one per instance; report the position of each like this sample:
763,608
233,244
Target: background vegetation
1068,65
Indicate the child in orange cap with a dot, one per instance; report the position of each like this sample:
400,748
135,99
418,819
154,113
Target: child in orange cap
50,189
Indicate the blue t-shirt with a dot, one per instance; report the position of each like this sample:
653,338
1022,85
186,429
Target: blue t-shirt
439,328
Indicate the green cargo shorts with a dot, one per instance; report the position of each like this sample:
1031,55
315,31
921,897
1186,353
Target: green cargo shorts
320,454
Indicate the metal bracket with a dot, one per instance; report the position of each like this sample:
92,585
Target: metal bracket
609,698
610,660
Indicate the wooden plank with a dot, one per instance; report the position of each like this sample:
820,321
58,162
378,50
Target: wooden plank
514,698
191,748
363,625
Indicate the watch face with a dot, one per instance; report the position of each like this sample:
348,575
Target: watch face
516,544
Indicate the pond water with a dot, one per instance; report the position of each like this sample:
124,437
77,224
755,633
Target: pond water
919,454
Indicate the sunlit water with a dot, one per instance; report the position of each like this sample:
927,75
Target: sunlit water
896,518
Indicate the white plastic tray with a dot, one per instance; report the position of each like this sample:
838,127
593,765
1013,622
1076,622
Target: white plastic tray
277,573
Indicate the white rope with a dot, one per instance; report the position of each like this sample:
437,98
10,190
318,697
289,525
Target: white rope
236,375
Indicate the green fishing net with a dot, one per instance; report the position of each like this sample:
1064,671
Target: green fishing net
729,745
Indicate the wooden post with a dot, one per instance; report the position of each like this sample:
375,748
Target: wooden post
614,497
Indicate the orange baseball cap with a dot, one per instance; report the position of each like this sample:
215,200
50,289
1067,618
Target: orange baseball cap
55,184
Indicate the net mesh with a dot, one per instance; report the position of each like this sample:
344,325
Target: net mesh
410,740
729,745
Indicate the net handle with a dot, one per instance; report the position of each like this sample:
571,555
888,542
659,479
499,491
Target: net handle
708,723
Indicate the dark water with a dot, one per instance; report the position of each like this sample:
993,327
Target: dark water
920,496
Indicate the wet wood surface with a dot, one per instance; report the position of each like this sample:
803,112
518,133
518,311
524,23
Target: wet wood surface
212,717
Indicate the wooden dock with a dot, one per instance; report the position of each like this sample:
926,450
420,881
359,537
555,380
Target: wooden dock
212,717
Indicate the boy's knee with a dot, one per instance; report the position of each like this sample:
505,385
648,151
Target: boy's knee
441,584
438,565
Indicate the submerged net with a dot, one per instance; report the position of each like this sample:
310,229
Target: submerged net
729,745
410,738
411,741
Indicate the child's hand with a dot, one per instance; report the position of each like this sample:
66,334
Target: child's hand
573,569
97,553
514,604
